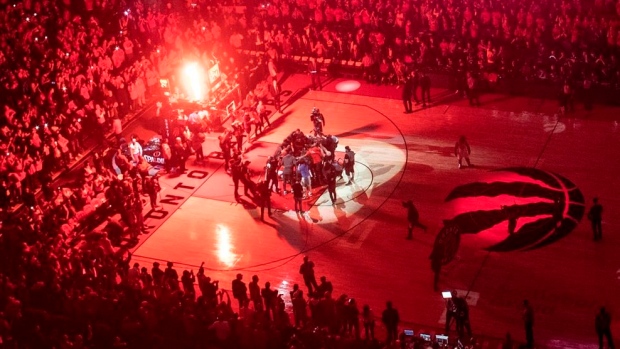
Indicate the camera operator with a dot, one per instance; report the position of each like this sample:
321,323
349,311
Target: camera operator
318,120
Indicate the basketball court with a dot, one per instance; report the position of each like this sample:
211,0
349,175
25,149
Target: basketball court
524,156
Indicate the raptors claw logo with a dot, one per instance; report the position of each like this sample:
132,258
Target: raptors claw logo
553,204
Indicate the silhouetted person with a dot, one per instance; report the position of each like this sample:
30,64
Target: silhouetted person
240,291
158,275
349,164
368,319
236,171
276,91
472,90
462,151
415,78
595,215
508,343
271,173
329,173
528,324
425,87
299,306
390,319
462,317
269,299
413,217
171,277
324,287
265,199
603,328
436,258
318,121
451,310
255,295
314,71
298,196
307,271
407,91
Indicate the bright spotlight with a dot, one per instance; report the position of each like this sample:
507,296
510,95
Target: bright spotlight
194,81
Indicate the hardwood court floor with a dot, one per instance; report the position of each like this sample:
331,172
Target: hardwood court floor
360,243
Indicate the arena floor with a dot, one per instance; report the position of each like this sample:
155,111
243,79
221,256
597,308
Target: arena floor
359,243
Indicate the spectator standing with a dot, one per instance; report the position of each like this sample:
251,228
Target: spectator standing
276,91
602,324
167,154
390,319
255,294
528,323
368,319
415,86
425,87
595,215
152,188
158,275
197,139
324,287
315,76
135,149
117,128
307,271
436,258
187,280
566,98
269,299
508,342
240,291
451,310
180,154
462,317
407,92
299,306
171,277
472,90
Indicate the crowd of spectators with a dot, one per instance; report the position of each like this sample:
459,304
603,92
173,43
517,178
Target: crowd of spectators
70,75
554,40
72,72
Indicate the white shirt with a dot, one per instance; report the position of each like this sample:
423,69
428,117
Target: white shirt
135,148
